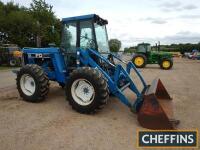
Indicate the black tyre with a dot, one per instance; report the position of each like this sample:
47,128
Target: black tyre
87,90
32,83
166,64
139,60
13,63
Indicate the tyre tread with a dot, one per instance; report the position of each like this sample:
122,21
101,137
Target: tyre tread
102,90
41,79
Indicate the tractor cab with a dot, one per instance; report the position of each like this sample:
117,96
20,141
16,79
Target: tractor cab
143,48
84,32
88,31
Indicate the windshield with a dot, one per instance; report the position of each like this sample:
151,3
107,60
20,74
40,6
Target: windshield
148,48
144,47
86,35
102,38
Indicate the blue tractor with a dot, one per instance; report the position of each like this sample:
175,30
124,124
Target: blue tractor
84,65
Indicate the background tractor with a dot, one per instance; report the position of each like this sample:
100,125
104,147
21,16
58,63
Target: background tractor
144,55
10,54
84,65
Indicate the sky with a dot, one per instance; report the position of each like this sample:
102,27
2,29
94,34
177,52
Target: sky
136,21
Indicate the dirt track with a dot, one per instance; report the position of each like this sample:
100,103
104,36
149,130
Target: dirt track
52,124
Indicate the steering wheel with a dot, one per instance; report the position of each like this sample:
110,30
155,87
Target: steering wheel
90,42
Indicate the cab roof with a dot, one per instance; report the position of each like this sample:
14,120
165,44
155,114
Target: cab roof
95,17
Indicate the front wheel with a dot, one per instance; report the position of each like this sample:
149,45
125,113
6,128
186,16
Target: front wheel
32,83
166,64
87,90
139,60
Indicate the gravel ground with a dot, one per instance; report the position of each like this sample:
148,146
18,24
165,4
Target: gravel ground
53,125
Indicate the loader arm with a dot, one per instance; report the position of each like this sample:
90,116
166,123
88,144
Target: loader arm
119,75
153,103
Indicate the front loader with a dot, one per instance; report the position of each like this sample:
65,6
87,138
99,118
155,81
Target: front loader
85,66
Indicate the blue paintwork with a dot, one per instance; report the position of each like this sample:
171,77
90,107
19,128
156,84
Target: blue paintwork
116,77
76,18
59,74
54,63
118,74
113,79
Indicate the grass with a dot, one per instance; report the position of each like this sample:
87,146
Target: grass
6,68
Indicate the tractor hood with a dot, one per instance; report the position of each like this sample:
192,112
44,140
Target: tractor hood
41,50
163,53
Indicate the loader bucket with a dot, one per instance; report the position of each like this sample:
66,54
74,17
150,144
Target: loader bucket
156,111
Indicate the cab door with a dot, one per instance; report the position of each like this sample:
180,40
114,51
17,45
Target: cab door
69,44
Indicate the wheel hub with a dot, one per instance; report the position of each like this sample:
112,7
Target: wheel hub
86,91
139,61
27,84
82,92
166,64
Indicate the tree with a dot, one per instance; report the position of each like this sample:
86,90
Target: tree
22,26
46,21
114,45
17,25
182,48
129,50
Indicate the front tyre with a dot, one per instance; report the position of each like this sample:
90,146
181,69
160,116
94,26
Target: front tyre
166,64
32,83
139,60
87,90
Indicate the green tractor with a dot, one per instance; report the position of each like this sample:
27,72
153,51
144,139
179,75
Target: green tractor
144,55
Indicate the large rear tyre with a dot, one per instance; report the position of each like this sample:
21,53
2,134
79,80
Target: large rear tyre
166,64
87,90
139,60
32,83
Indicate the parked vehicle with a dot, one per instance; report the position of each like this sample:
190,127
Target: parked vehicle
10,54
144,55
194,55
84,65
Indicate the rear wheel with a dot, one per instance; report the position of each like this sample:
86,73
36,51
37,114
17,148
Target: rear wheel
166,64
139,60
32,83
13,62
87,90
